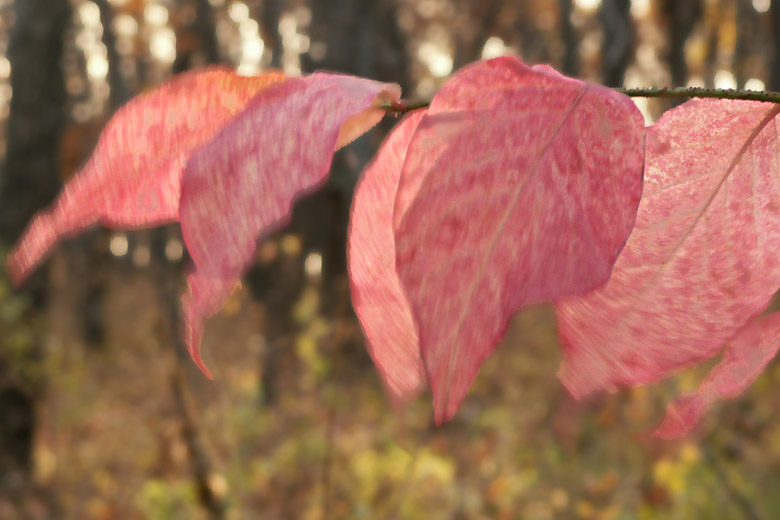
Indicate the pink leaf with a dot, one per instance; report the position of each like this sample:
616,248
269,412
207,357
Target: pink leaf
377,295
244,182
701,261
746,356
521,186
133,178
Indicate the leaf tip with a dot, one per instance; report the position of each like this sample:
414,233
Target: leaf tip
363,121
681,417
440,418
15,271
444,409
28,252
577,383
193,332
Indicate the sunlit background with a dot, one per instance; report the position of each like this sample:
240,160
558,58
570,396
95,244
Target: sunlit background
145,36
295,424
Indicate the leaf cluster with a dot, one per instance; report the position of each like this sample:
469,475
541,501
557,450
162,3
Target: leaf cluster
515,186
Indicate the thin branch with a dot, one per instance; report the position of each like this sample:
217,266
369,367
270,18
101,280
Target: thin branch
167,276
338,340
688,92
214,505
402,107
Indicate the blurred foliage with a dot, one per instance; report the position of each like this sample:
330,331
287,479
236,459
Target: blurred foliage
322,441
21,331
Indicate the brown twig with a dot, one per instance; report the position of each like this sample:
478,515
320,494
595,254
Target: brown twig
201,465
402,107
167,277
337,341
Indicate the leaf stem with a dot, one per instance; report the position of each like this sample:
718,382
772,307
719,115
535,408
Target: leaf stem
402,107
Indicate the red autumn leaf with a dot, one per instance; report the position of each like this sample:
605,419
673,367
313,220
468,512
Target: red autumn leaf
377,295
243,183
699,265
133,178
521,186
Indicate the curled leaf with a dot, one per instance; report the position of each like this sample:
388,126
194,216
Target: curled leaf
243,184
133,179
377,295
700,264
745,357
521,186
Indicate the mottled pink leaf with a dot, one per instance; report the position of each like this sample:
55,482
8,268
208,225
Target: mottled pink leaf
133,178
521,186
744,359
243,183
377,295
701,261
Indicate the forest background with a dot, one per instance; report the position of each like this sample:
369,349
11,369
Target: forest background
102,414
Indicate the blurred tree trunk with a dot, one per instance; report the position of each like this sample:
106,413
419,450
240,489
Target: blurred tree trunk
89,252
618,47
30,180
532,40
571,63
681,18
269,20
475,25
196,42
714,19
196,46
774,79
360,37
31,177
119,93
746,23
